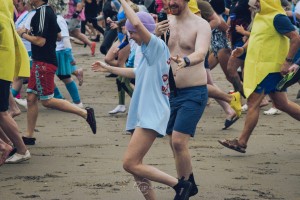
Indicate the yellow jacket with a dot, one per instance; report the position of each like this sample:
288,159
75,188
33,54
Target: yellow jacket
267,49
14,60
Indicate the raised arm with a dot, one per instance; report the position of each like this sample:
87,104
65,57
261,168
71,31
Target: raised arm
141,30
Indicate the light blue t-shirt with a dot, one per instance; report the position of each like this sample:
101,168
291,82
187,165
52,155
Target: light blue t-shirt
149,106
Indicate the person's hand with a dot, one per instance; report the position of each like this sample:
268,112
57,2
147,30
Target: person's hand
21,30
240,29
109,20
285,68
294,68
99,66
238,52
180,63
161,27
113,25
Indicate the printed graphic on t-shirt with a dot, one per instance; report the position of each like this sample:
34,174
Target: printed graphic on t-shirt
165,88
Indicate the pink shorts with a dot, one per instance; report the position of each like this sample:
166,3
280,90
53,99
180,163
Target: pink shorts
41,80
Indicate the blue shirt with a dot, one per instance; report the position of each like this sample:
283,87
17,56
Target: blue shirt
149,107
283,24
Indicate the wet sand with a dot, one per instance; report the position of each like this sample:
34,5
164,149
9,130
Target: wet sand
69,162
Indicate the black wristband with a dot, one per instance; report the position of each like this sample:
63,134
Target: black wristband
289,60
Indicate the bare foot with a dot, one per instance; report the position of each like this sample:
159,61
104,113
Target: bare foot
5,149
79,76
230,114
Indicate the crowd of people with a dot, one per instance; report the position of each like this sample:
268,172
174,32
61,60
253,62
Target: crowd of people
165,69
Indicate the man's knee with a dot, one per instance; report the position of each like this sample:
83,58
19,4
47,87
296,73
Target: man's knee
31,100
178,145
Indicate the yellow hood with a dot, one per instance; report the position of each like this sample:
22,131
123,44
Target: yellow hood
268,7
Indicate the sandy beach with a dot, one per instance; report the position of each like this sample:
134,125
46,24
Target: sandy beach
69,162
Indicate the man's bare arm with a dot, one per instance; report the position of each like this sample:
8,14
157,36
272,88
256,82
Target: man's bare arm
294,46
202,44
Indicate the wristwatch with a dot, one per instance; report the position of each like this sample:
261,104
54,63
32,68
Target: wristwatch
187,61
289,60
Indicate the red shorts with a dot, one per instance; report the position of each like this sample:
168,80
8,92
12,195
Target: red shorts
41,80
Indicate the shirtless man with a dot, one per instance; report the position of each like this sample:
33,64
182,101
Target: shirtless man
188,100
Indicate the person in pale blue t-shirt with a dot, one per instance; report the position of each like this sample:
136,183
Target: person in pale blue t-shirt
149,109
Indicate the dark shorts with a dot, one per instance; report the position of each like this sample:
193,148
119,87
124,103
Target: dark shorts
4,95
269,83
41,80
239,44
186,109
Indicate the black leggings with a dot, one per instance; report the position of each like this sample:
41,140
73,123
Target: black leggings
94,23
109,37
62,77
4,95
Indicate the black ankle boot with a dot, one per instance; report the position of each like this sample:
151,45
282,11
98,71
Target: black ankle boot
194,189
97,39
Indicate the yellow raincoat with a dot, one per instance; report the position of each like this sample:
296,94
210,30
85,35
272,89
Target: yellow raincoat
267,49
14,60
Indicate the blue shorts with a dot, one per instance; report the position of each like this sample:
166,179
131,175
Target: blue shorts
186,109
269,83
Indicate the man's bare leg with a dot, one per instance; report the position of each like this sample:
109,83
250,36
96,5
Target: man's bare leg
4,137
281,102
252,116
180,148
5,149
233,65
32,114
223,57
14,110
10,128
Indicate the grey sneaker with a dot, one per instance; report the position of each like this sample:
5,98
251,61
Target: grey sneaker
17,158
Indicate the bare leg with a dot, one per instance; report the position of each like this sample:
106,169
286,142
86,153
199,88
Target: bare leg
10,128
216,93
234,78
139,145
4,137
58,104
223,57
230,113
212,61
281,102
32,114
14,110
17,84
180,148
77,34
5,149
110,57
145,187
252,116
122,55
